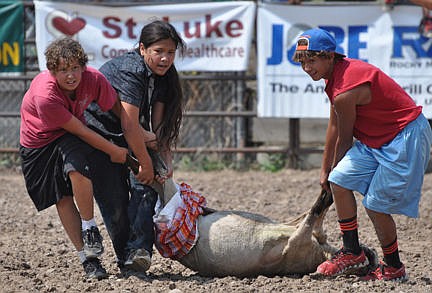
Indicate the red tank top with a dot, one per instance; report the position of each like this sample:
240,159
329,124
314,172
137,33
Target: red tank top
390,109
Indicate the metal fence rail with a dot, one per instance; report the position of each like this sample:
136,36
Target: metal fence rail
218,116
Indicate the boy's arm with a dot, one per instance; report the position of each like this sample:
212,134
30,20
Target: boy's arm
345,112
329,149
77,128
340,130
117,108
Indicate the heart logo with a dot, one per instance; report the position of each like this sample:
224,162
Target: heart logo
60,24
68,27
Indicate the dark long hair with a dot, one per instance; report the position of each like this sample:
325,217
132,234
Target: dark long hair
169,128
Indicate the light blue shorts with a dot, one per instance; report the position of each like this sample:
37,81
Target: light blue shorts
391,177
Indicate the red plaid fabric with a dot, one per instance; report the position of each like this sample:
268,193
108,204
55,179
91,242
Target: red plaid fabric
175,239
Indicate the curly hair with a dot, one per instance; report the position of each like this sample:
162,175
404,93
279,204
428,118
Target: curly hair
67,50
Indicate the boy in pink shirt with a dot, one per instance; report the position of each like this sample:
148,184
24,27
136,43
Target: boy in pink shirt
56,144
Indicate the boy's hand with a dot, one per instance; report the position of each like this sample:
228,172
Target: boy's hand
325,184
161,170
145,174
119,155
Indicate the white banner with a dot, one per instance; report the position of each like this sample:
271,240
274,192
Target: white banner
218,34
387,39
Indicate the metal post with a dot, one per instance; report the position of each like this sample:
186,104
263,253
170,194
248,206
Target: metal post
240,122
294,142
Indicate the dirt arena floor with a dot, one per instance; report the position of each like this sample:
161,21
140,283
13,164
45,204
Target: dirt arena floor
36,256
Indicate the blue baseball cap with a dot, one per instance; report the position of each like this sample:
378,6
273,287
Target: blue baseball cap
316,39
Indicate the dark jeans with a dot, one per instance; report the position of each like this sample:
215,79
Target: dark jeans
129,222
141,210
111,192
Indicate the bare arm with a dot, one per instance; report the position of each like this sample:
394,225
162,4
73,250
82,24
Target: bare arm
136,137
345,108
329,149
165,150
340,130
346,111
117,108
76,127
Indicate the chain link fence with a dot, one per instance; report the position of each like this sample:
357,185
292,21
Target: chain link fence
209,132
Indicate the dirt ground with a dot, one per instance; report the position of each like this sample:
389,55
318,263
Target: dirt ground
36,256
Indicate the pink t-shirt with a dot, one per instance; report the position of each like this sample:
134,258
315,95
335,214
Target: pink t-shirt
390,109
45,108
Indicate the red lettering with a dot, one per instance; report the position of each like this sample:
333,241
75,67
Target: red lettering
109,53
232,26
130,24
212,28
197,32
116,29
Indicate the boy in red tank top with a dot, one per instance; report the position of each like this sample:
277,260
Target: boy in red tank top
386,161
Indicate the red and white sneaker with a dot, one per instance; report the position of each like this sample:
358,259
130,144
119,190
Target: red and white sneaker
343,262
387,273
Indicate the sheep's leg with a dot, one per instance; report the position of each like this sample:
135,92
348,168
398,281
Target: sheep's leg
305,229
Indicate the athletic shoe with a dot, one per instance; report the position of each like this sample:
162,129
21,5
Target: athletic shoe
94,269
387,273
343,262
138,260
92,239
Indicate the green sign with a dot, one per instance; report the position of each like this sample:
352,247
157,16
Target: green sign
11,36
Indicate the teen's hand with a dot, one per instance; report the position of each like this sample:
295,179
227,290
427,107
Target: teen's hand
169,174
152,144
150,140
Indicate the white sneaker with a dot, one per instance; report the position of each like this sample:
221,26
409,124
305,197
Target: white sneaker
92,239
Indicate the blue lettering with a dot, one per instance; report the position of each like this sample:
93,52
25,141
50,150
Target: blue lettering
403,37
354,44
277,45
416,44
